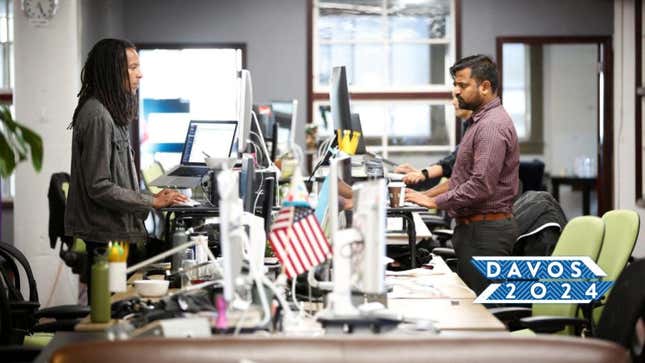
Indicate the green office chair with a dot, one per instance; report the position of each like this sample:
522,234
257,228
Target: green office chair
152,172
621,233
582,236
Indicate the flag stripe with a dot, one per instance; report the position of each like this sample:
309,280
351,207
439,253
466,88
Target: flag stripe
304,238
320,238
282,255
314,240
291,251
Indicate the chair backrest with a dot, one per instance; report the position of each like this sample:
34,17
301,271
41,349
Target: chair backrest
582,236
625,306
621,232
356,349
150,173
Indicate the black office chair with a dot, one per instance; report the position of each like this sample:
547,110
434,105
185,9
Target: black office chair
24,314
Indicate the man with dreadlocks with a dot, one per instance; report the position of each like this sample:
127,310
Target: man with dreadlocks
104,202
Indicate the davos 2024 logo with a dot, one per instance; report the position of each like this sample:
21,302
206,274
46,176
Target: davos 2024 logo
523,280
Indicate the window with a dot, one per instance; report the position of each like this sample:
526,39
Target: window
397,54
6,76
203,86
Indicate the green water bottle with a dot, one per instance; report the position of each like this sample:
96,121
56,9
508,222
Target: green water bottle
100,290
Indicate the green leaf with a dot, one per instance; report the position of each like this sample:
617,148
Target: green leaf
35,143
7,158
17,144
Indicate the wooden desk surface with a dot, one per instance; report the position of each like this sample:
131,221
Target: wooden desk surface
441,296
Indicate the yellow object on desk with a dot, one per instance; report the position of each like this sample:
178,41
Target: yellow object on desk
117,257
118,251
348,140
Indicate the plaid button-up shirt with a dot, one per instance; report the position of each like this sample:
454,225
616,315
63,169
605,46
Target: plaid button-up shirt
485,178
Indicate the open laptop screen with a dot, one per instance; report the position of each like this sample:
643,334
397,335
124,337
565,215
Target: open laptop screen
214,138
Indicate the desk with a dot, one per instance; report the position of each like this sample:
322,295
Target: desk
439,295
586,183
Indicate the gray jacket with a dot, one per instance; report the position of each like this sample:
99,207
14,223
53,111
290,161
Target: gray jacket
104,201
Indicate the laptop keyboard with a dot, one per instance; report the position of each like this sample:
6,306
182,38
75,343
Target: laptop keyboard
189,171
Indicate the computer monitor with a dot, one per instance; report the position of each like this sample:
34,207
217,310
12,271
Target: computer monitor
285,115
245,103
212,138
370,217
247,183
264,113
339,99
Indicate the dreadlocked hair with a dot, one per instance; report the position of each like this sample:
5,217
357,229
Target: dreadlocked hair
105,77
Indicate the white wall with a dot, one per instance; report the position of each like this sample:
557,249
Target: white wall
624,114
47,68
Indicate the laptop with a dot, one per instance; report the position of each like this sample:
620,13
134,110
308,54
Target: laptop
212,138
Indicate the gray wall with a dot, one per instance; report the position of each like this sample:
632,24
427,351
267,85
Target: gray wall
484,20
275,33
100,19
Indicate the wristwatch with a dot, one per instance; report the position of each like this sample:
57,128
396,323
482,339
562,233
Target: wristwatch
425,173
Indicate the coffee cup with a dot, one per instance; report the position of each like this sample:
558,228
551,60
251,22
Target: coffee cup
396,192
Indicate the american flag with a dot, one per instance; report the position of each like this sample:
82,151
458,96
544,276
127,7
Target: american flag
298,241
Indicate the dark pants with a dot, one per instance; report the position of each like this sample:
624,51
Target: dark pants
485,238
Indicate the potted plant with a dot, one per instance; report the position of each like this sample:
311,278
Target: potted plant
17,144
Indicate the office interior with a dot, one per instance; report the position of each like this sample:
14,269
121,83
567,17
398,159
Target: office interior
277,47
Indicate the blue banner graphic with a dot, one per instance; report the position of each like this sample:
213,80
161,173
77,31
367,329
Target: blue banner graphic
537,268
523,280
521,292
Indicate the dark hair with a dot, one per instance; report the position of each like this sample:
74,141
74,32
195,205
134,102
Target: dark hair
482,68
105,77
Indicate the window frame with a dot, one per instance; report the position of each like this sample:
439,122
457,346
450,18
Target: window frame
431,93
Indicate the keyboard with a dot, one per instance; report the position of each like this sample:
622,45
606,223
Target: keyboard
189,171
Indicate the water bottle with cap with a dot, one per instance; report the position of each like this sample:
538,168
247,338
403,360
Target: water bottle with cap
99,290
178,238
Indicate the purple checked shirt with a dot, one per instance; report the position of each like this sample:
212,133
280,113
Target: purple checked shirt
485,178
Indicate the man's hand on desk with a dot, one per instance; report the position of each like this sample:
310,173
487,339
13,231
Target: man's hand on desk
421,199
405,169
414,177
167,197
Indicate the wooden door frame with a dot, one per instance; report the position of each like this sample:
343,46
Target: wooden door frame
605,136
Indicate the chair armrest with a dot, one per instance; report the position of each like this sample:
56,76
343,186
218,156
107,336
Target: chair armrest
511,315
63,312
444,252
553,324
443,232
56,325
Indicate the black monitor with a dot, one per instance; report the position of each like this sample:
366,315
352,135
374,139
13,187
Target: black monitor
356,126
284,114
247,184
339,99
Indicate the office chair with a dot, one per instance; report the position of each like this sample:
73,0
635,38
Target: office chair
25,313
355,349
621,233
531,175
582,236
152,172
